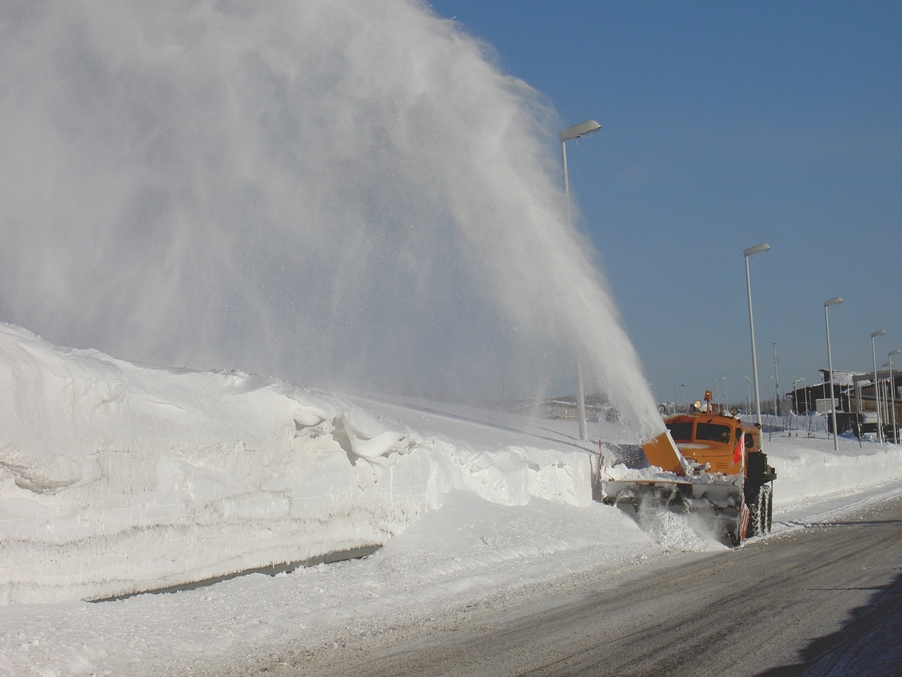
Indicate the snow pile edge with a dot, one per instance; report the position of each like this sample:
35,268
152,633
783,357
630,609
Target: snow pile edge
118,478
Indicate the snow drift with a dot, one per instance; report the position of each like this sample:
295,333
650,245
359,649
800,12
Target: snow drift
117,478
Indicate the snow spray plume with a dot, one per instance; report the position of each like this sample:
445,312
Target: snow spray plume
344,193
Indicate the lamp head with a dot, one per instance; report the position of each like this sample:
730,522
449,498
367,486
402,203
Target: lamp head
833,302
586,128
879,332
757,249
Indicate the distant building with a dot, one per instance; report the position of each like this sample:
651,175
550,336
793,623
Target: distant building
816,398
854,394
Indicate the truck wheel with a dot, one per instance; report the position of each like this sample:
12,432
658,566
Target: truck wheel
758,512
766,506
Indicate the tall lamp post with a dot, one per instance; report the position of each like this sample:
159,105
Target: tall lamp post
879,332
751,251
726,397
827,304
892,394
586,128
748,395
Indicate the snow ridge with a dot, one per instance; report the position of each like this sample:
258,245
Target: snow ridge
117,478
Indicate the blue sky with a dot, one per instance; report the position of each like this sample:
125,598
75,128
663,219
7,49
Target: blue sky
726,125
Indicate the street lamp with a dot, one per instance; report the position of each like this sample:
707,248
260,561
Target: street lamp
879,332
892,394
751,251
726,397
827,304
748,395
586,128
717,391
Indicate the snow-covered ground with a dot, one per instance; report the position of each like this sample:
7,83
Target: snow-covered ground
117,478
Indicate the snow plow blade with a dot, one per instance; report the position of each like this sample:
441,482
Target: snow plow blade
629,478
717,501
662,452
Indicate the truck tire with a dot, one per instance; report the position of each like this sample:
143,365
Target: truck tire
758,512
766,508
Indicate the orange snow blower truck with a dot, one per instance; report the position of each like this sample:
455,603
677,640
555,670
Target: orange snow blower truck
705,461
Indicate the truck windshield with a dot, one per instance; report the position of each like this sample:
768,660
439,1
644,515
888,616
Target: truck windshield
680,431
713,432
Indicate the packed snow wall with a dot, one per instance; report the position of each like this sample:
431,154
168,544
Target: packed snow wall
339,193
117,478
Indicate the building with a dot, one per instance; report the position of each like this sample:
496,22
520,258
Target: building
816,398
856,403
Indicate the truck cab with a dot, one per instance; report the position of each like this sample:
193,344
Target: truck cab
713,440
720,443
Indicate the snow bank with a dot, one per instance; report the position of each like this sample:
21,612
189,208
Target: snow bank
117,478
810,467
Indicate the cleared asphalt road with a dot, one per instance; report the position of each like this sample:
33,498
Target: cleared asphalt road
824,600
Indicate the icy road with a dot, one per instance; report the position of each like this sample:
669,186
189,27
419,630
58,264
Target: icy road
819,600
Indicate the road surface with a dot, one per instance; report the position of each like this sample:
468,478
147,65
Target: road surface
823,600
